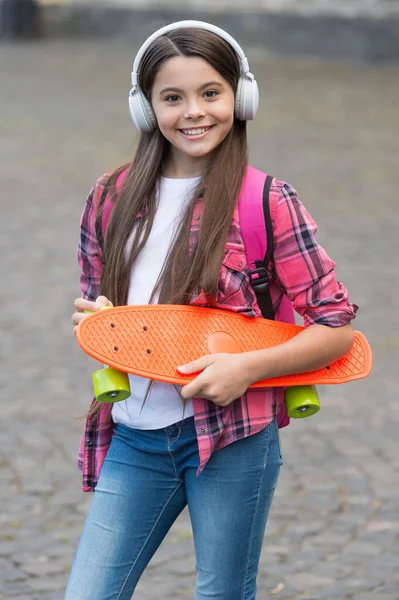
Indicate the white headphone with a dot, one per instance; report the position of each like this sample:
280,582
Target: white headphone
247,95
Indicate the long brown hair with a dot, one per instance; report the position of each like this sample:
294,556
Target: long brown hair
184,274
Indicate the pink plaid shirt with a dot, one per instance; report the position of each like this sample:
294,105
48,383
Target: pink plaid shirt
300,268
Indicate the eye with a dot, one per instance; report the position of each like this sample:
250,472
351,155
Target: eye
172,98
211,94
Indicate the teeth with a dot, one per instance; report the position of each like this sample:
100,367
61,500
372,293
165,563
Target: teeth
195,131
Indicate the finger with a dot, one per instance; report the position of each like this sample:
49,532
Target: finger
197,365
103,301
77,317
192,389
81,304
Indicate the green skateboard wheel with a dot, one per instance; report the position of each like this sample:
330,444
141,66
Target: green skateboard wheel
301,401
111,385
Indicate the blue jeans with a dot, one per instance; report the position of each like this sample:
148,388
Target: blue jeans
147,479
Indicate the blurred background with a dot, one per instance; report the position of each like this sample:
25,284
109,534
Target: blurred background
329,124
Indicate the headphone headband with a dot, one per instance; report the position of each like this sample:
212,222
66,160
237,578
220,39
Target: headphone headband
186,24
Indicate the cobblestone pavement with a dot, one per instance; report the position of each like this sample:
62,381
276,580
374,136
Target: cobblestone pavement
332,130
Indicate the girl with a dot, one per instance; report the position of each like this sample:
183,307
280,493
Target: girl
173,236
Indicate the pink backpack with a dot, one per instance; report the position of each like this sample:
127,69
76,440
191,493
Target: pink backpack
257,233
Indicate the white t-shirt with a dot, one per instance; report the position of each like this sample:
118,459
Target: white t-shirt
163,406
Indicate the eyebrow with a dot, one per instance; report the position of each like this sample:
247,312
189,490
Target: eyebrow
205,85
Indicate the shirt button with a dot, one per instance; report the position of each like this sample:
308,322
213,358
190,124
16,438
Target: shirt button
198,217
202,430
89,443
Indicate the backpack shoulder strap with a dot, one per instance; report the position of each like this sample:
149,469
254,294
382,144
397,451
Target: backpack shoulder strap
257,234
267,220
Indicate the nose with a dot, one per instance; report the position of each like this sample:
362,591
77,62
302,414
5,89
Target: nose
194,110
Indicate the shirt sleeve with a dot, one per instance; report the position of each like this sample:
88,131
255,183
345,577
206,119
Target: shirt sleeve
303,268
89,253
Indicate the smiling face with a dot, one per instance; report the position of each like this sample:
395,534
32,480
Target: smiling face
194,107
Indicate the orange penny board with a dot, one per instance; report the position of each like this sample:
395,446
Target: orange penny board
152,340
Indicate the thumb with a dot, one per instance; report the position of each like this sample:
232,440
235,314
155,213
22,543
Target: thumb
196,365
103,301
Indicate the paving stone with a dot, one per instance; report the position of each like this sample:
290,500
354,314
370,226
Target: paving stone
362,548
5,564
18,597
334,592
380,595
12,574
277,570
50,596
9,589
307,581
43,569
9,547
359,585
57,582
391,588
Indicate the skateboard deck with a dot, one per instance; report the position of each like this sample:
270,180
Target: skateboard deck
152,340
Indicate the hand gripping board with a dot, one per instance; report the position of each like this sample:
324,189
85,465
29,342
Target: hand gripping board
152,340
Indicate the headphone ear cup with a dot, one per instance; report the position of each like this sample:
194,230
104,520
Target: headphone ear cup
247,99
141,112
239,92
